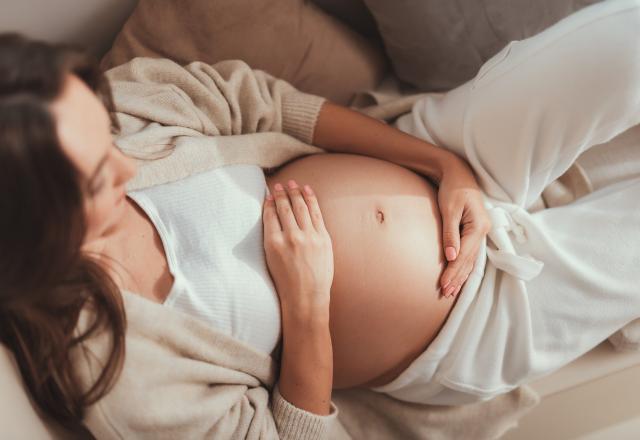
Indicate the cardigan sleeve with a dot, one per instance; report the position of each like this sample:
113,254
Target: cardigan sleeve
225,98
163,392
291,422
296,423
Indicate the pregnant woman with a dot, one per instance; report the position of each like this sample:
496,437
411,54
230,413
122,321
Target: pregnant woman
196,243
543,289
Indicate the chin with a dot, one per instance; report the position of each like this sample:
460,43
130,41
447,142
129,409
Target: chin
117,213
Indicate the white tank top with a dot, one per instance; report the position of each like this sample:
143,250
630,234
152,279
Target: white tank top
211,229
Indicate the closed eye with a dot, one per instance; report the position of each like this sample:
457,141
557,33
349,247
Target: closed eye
97,187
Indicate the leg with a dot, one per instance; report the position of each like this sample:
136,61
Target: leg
589,288
538,104
515,331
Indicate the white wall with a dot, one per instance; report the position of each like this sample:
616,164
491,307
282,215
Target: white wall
90,23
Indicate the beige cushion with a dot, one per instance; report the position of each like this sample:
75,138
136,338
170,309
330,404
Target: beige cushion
290,39
354,13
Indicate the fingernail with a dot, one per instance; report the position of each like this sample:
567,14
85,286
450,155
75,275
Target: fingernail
292,184
278,187
450,253
269,196
307,189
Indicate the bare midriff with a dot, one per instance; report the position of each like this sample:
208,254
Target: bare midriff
386,233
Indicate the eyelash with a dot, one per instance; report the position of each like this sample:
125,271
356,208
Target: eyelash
97,188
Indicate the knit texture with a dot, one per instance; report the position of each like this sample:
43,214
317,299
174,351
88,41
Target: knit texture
299,115
295,423
179,120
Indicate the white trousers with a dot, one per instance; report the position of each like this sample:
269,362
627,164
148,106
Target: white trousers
547,287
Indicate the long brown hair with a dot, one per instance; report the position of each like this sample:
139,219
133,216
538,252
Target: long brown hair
45,280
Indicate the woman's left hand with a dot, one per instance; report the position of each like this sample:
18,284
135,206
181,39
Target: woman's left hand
465,223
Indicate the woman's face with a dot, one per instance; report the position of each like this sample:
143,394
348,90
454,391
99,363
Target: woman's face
84,131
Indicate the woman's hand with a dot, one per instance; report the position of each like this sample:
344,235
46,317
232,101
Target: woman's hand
300,259
298,248
465,223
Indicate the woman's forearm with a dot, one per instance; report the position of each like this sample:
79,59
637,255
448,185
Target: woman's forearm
342,130
306,364
465,220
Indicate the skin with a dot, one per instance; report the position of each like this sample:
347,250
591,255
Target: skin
118,230
83,127
385,303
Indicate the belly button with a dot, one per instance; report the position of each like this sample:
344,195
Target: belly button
380,216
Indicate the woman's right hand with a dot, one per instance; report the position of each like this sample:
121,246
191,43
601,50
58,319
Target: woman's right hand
298,248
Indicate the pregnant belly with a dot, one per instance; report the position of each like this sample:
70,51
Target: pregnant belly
386,231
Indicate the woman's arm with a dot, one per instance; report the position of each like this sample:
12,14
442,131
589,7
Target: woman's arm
299,255
342,130
306,371
465,221
158,99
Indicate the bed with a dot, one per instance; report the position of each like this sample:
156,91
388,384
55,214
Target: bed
592,398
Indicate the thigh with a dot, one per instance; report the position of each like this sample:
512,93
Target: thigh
589,287
540,102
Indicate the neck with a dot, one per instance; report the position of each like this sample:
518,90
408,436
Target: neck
112,238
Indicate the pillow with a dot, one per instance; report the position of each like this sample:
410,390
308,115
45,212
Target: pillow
291,39
353,13
436,45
